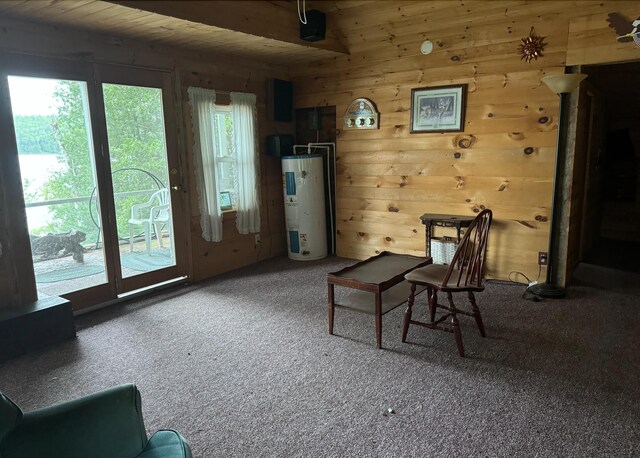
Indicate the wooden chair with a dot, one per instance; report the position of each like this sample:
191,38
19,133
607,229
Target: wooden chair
464,274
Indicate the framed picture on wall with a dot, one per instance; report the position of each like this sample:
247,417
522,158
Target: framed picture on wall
438,109
225,201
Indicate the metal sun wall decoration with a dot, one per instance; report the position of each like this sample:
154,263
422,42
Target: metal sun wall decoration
625,29
531,47
361,114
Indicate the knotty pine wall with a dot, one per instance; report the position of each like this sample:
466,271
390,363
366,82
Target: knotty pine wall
504,159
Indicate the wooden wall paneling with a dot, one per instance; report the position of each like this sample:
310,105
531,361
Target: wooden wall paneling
524,213
388,177
510,252
463,44
445,155
382,174
396,19
501,140
526,191
395,97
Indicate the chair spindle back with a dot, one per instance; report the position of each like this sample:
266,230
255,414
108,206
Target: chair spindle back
467,265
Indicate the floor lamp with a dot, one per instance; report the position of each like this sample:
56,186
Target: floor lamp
561,85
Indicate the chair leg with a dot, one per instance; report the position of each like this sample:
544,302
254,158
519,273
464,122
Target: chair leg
455,324
158,229
476,313
432,296
407,313
147,237
170,232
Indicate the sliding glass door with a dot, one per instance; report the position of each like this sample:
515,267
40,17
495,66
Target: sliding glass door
139,176
54,139
102,194
144,177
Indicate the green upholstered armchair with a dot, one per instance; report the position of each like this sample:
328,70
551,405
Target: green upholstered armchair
107,424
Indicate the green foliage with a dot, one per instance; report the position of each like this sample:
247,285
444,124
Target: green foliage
135,130
34,135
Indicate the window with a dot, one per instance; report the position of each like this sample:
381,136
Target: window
226,159
225,152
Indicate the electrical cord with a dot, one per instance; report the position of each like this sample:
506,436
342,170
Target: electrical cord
304,11
527,294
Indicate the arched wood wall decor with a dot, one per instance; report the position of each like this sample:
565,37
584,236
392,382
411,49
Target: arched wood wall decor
361,114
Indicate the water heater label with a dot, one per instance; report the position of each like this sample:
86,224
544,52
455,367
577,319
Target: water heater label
294,242
290,183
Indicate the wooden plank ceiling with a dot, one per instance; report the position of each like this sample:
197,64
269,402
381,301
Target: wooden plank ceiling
266,31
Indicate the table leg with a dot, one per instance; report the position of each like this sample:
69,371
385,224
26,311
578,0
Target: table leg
379,319
331,308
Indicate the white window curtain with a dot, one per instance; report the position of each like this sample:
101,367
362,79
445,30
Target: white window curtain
202,103
243,111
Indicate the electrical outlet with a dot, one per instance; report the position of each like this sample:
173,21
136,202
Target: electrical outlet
257,240
543,258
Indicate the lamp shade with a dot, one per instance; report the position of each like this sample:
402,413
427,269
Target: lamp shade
561,84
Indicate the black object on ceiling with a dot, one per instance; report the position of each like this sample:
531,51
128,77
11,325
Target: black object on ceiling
314,29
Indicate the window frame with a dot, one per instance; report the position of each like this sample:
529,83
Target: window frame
218,160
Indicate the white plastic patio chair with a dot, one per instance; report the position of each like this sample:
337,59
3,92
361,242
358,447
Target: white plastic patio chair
155,212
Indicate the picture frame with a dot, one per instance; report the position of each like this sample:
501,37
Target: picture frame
225,201
438,108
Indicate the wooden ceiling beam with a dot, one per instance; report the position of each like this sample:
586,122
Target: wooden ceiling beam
272,20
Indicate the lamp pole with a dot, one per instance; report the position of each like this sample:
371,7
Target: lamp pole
561,85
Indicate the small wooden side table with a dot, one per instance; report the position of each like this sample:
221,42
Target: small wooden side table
431,220
379,283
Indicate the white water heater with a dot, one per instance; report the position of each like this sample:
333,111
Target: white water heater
304,208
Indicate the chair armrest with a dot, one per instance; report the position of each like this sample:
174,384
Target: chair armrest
107,424
135,209
166,443
155,211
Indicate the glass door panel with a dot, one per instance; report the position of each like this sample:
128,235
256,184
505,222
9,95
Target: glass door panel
55,147
139,174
